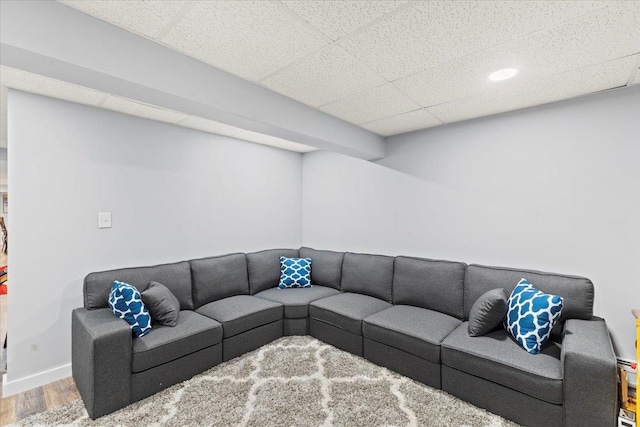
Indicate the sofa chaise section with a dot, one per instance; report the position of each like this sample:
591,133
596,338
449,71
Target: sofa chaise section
572,382
325,279
427,297
221,292
112,369
366,289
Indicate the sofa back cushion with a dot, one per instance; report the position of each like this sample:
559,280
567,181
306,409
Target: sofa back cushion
326,267
577,292
432,284
176,277
219,277
367,274
264,268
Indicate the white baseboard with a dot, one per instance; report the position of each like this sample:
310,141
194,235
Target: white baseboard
10,388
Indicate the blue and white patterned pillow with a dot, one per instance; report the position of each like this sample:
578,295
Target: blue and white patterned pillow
295,273
531,315
126,303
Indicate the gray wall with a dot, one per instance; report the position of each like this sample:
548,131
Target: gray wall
554,188
174,194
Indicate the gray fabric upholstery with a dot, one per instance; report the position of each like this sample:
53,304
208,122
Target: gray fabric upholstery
576,291
219,277
264,268
164,344
336,336
436,285
346,310
487,312
416,330
501,400
241,313
326,266
295,326
368,274
296,300
255,338
402,362
176,277
498,358
101,354
146,383
590,396
163,306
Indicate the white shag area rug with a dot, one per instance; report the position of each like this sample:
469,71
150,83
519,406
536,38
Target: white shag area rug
294,381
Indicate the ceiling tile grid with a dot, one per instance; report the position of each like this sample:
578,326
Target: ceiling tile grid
337,55
382,101
147,18
324,77
251,39
402,123
549,89
336,19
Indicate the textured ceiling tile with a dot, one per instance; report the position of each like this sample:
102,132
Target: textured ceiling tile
409,41
34,83
414,120
251,39
143,17
382,101
210,126
338,18
420,37
133,108
324,77
276,142
553,88
490,23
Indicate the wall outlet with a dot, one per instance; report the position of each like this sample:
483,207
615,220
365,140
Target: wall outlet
104,219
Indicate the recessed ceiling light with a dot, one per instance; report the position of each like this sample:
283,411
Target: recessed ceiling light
504,74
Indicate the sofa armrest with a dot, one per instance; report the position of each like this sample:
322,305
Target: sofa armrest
590,382
101,346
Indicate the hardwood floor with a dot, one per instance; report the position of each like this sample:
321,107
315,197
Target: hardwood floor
15,408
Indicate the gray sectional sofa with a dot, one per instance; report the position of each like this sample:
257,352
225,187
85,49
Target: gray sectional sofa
408,314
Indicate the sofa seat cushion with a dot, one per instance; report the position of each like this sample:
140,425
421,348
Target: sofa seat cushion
498,358
296,300
416,330
163,344
347,310
242,313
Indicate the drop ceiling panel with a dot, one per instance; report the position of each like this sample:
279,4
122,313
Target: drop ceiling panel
382,101
251,39
272,141
549,89
34,83
429,34
142,110
211,126
148,18
339,18
324,77
407,122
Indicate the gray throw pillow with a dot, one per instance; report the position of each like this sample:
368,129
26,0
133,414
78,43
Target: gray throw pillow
487,312
163,306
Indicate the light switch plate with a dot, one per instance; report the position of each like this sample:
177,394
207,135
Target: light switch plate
104,219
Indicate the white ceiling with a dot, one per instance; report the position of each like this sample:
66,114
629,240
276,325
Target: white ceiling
396,66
